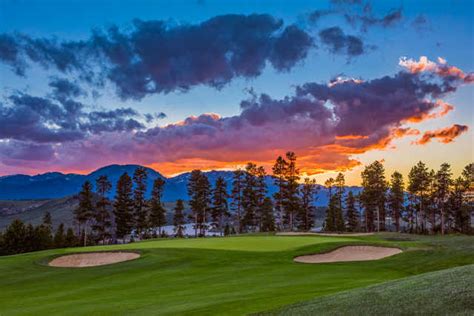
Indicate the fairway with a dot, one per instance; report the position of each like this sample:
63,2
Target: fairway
219,276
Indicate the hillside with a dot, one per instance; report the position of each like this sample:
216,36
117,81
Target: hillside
56,185
445,292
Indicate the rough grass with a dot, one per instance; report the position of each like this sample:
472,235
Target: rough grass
212,276
445,292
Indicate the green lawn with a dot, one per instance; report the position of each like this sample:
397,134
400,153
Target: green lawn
219,276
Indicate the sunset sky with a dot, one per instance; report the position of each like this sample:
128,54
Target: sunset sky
179,85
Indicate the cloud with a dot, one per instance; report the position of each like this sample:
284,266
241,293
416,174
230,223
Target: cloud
63,88
326,124
160,57
43,120
367,19
444,135
340,43
440,68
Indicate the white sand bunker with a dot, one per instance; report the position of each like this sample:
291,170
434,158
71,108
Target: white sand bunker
92,259
350,253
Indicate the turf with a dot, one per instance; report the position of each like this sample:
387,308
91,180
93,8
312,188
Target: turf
445,292
218,276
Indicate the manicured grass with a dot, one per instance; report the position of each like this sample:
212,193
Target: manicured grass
234,276
445,292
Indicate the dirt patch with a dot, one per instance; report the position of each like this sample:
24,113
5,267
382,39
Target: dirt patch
350,253
324,234
82,260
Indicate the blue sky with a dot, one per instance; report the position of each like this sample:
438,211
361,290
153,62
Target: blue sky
447,33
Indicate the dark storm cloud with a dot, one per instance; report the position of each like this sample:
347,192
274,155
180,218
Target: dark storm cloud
340,43
64,88
29,118
367,21
157,57
12,152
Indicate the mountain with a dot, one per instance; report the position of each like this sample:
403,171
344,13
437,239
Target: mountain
56,185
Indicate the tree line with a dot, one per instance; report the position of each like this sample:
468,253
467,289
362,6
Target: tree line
431,202
19,237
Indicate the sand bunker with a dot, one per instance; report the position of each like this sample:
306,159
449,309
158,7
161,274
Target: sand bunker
323,234
350,253
83,260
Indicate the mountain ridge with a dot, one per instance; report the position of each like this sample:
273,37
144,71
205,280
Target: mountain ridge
53,185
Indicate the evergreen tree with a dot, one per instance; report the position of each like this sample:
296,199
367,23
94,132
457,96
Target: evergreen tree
15,238
291,201
236,195
250,201
459,210
59,237
47,220
334,219
306,213
396,198
442,191
373,196
70,239
157,211
178,219
199,193
220,209
43,236
267,218
101,215
279,172
329,183
351,213
339,182
84,212
123,206
140,207
261,193
418,183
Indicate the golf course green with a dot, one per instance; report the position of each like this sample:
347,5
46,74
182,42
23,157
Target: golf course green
217,276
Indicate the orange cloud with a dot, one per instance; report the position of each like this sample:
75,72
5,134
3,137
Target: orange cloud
441,68
444,135
444,108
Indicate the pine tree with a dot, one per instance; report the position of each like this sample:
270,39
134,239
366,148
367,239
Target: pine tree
140,207
15,238
178,219
249,197
199,192
220,208
291,201
351,213
334,219
47,220
418,182
101,214
373,196
442,192
261,193
84,212
123,206
396,198
70,239
157,211
279,171
59,237
267,218
236,195
306,213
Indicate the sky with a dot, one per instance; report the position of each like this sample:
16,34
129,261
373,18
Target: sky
179,85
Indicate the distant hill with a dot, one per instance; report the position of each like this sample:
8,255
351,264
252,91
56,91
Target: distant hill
29,197
54,185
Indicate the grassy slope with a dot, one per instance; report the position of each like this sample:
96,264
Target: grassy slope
445,292
236,275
